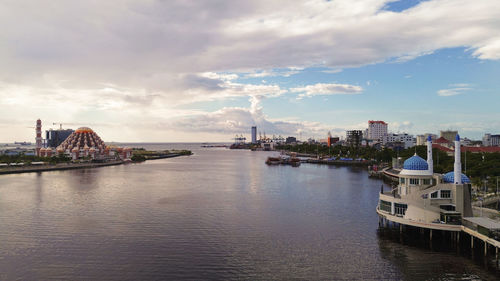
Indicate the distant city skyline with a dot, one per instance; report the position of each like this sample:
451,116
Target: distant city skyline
177,71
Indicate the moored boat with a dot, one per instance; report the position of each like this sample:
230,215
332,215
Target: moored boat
273,161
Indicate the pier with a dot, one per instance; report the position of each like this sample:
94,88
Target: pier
476,236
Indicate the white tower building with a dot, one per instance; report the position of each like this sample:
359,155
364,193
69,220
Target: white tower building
429,154
458,164
254,134
376,130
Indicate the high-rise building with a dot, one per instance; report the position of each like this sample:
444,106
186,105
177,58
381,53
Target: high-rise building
38,138
354,137
55,137
376,130
254,134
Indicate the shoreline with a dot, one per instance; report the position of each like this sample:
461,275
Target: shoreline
72,166
57,167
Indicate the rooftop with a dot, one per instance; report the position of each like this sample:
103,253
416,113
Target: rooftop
484,222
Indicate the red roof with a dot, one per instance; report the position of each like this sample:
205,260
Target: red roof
476,149
373,122
473,149
442,148
442,140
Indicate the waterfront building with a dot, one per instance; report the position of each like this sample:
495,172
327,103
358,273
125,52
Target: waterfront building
426,199
406,140
83,142
291,140
376,130
449,135
254,134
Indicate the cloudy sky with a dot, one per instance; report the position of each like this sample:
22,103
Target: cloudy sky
169,71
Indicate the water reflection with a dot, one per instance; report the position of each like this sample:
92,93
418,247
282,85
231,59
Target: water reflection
220,214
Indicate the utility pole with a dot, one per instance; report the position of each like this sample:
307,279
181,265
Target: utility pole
497,186
466,162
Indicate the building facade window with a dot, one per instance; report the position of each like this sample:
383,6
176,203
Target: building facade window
426,181
400,209
445,193
402,180
385,206
414,181
434,195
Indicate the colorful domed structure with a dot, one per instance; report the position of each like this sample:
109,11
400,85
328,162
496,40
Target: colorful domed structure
415,163
83,142
416,166
450,177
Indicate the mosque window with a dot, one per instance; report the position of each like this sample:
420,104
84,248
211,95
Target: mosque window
434,195
400,209
445,193
385,206
414,181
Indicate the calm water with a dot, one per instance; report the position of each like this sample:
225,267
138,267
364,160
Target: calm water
218,214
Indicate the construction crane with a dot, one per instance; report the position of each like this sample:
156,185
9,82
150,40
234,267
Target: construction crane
60,125
74,124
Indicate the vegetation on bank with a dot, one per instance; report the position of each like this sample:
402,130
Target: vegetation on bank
482,168
28,159
141,154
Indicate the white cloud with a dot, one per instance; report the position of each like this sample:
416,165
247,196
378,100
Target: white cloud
401,127
457,89
326,89
238,120
332,71
139,60
273,73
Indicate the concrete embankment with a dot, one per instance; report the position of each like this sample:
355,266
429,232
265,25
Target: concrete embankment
163,156
56,167
71,166
339,162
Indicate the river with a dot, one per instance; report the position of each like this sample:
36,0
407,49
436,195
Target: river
218,214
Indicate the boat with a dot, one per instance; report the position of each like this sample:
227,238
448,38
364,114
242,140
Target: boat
283,160
295,162
273,160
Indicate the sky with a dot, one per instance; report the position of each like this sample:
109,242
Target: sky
201,71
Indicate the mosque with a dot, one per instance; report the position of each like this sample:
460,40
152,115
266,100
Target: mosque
82,143
426,199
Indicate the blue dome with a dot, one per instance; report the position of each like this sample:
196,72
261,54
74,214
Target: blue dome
415,163
450,178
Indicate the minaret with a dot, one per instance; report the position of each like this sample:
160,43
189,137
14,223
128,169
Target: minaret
429,155
38,136
458,164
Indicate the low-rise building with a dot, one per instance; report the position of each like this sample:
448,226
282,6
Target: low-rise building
491,140
405,139
449,135
422,139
